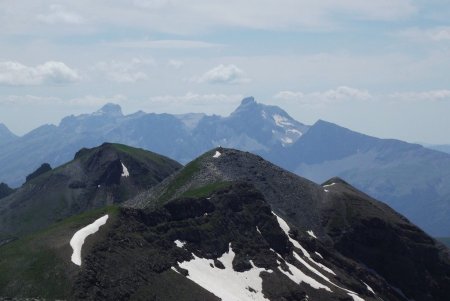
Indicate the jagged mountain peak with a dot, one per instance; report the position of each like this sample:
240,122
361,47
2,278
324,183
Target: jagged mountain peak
110,109
267,122
5,134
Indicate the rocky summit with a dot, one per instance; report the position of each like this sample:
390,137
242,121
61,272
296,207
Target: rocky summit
231,226
97,177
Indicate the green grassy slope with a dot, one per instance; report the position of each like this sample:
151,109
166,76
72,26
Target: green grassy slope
39,265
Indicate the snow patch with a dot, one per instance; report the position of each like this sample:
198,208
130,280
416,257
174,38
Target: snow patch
318,254
78,238
217,154
326,190
179,243
329,185
264,114
311,233
125,172
287,140
226,284
298,277
281,121
257,230
369,288
294,131
355,297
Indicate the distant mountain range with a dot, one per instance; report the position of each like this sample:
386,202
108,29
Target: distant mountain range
412,179
442,148
6,136
227,226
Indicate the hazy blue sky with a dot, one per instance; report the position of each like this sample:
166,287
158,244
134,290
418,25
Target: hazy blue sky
380,67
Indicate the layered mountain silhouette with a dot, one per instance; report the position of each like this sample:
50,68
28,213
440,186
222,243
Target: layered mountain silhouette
105,175
232,226
443,148
6,136
412,179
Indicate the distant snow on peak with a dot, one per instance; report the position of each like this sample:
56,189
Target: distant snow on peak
288,131
217,154
281,121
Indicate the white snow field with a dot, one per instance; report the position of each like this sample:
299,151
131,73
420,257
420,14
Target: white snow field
78,238
217,154
125,172
226,284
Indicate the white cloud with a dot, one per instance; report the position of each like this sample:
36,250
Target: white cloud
197,99
175,64
59,14
125,71
338,95
224,74
83,101
164,44
436,34
187,17
52,72
346,94
432,95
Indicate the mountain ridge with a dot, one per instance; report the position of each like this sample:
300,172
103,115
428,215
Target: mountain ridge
105,175
230,219
404,175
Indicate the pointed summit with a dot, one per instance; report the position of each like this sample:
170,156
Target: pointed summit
5,134
110,109
248,100
247,104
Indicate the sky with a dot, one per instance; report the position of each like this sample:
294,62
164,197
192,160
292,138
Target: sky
378,67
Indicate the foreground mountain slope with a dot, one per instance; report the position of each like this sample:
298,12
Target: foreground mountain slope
371,232
39,265
228,245
230,225
358,226
105,175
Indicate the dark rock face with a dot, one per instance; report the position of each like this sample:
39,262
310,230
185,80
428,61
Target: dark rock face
5,190
140,252
41,170
372,233
95,178
358,226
